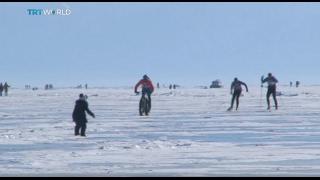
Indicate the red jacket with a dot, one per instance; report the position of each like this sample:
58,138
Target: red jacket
146,83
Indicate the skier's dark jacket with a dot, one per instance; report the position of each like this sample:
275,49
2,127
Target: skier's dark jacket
236,85
79,112
271,80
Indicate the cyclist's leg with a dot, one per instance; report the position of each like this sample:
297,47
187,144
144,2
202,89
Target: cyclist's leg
149,97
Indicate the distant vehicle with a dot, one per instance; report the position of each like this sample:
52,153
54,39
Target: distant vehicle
216,84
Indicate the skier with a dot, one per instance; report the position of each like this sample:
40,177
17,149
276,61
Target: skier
237,89
271,80
147,87
6,88
79,115
1,89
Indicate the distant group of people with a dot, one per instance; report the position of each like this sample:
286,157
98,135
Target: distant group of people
80,86
171,86
27,86
4,88
297,83
48,86
174,86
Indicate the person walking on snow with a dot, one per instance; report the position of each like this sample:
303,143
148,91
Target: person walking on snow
79,115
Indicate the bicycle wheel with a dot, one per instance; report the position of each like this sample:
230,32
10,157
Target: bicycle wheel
146,107
143,106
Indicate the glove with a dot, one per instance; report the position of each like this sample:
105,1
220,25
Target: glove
94,116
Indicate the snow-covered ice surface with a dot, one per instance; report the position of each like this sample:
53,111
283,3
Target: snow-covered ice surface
188,133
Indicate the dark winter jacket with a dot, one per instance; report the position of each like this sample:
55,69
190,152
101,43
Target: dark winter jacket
79,112
271,80
236,85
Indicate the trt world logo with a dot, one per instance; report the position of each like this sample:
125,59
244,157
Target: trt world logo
48,12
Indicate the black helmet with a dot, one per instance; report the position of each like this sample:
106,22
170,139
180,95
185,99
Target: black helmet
269,74
235,79
145,77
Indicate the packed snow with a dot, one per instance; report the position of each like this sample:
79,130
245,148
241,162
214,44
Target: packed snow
188,133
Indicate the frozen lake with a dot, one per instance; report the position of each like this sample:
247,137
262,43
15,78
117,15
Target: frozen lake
188,133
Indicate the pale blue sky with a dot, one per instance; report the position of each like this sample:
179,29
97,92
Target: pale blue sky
114,44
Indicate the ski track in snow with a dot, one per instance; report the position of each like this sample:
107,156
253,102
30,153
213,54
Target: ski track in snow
188,133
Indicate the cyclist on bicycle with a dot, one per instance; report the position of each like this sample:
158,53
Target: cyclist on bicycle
147,87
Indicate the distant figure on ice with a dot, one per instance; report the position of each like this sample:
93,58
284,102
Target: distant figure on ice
158,85
27,86
86,86
237,89
6,88
272,81
170,87
79,115
1,89
297,83
291,83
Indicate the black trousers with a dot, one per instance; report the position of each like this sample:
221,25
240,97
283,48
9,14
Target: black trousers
272,91
80,126
236,95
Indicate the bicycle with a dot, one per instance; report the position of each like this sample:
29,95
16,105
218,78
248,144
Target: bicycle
144,107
